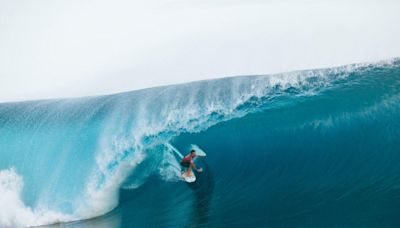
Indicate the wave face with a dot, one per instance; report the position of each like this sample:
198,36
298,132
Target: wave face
317,147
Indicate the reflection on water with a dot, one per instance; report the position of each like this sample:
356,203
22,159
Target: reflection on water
203,190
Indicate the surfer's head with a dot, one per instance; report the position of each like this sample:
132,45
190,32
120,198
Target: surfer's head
193,153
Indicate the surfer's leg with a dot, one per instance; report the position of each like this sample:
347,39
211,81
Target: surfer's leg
186,168
189,170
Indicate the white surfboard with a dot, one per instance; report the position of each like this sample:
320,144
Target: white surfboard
189,179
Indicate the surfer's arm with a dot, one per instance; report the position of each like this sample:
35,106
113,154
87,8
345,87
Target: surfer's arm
197,169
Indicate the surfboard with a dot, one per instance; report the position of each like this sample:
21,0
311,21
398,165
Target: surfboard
189,179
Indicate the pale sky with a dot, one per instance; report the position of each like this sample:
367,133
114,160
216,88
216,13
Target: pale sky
70,48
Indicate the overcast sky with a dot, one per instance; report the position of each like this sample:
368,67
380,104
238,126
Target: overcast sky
71,48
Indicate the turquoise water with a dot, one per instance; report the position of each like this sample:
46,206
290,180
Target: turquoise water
307,148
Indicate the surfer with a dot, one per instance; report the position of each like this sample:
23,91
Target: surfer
188,163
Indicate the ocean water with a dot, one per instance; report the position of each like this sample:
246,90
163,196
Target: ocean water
316,148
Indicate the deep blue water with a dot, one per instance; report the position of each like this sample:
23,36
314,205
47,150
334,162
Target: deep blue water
311,148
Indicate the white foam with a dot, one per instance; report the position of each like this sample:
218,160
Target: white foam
170,169
14,213
101,193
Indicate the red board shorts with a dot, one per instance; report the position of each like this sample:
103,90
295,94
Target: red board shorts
185,164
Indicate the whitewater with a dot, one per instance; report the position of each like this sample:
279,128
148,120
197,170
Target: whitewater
280,149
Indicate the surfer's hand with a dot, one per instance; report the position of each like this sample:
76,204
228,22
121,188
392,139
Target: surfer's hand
200,170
